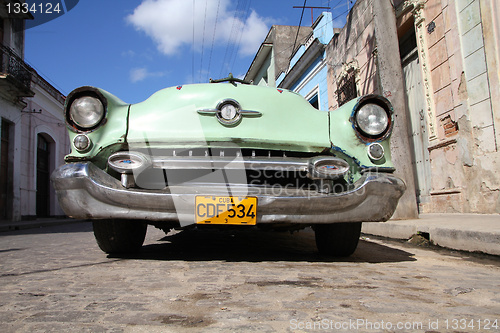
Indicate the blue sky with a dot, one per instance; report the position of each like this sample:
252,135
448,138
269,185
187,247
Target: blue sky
133,48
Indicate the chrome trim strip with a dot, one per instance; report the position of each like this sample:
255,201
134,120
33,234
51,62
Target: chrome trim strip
311,165
230,163
245,113
207,112
250,113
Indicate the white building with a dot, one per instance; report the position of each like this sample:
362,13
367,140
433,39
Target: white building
33,134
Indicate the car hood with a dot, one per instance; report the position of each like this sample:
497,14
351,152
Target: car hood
170,118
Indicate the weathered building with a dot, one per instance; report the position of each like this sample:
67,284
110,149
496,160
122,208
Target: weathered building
307,72
448,52
45,142
34,139
438,62
273,56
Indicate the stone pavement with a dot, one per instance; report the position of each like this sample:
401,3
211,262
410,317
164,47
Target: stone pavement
466,232
55,279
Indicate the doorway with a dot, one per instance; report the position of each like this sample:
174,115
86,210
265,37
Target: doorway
43,176
6,170
415,100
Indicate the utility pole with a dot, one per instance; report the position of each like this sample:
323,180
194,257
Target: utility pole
392,83
311,7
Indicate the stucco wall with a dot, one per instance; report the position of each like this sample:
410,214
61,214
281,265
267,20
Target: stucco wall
42,115
354,46
464,162
459,60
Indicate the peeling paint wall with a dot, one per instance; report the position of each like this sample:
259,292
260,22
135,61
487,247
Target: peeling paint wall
464,156
459,55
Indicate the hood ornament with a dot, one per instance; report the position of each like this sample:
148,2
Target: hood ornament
229,112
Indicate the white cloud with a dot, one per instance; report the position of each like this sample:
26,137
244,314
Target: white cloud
253,34
128,54
141,73
170,24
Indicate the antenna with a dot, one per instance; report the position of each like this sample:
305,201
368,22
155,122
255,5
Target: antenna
311,7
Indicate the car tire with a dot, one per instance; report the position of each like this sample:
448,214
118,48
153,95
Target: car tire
119,236
337,239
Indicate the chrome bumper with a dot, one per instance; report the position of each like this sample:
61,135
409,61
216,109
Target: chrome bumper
85,191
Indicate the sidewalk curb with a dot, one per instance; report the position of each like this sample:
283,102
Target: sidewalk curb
465,232
33,224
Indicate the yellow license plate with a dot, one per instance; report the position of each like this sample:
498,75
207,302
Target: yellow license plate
226,210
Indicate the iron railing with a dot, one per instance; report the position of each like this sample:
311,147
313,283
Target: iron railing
14,66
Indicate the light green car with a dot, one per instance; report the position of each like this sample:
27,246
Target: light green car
224,155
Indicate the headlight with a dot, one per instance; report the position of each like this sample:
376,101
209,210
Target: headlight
81,142
86,112
372,119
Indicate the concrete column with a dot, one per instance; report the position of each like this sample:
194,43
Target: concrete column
391,81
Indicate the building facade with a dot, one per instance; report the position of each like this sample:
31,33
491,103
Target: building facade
438,62
307,71
273,56
32,130
448,53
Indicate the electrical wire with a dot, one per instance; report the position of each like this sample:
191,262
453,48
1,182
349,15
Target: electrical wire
213,40
241,33
292,48
229,46
300,23
203,40
192,49
62,91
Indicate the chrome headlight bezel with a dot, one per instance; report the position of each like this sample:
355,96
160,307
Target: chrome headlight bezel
79,95
79,139
382,111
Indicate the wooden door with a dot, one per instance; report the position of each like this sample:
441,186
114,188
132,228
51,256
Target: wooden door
4,171
419,137
42,177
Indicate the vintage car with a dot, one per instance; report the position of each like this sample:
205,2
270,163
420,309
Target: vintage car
227,154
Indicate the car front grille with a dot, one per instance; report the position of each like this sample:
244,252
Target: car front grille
217,166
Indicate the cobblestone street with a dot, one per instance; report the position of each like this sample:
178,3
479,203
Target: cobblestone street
56,279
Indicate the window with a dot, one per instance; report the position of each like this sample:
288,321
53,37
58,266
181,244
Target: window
314,101
313,97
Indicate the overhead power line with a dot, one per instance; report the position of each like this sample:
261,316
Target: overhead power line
192,49
203,39
213,40
232,36
238,45
300,22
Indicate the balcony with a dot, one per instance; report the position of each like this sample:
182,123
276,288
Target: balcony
15,75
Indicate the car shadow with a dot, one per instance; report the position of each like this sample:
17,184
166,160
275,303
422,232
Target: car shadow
257,246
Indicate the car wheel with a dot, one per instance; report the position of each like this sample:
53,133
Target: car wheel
119,236
337,239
